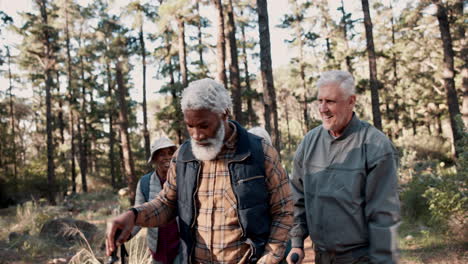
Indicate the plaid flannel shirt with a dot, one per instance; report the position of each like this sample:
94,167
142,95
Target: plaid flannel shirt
217,230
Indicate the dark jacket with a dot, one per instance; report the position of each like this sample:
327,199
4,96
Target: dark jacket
247,174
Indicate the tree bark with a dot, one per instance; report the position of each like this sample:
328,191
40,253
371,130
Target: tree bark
124,136
299,34
464,58
286,109
349,64
413,120
83,132
374,83
234,66
71,101
146,134
221,45
200,42
111,125
251,116
61,123
48,62
269,95
12,119
449,72
174,91
396,105
182,51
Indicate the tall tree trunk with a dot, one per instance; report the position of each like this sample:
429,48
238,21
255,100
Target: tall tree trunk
269,95
48,62
50,142
345,38
111,110
286,109
124,136
464,58
61,123
71,102
122,179
413,120
221,45
323,7
439,120
12,119
449,72
146,134
251,116
234,65
71,130
175,98
396,105
200,42
374,83
182,131
182,51
83,131
299,33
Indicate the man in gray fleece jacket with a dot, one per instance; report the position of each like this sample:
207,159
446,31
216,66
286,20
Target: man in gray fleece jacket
344,183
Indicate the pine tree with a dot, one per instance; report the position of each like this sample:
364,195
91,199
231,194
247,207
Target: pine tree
374,83
449,71
234,75
269,94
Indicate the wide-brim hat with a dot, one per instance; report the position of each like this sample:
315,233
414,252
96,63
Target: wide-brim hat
160,143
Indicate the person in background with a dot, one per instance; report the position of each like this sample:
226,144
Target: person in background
261,132
227,187
162,241
344,183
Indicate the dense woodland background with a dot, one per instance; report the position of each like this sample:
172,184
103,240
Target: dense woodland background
80,130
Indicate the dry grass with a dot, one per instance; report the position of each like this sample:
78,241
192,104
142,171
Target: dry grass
136,248
425,247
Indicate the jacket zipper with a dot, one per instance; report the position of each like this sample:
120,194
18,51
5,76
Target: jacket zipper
235,194
251,178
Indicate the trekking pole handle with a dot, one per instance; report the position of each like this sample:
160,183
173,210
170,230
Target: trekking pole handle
295,257
113,257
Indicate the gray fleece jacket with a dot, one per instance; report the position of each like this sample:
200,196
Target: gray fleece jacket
345,191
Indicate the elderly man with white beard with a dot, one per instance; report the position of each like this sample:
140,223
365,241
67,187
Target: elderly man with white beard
227,187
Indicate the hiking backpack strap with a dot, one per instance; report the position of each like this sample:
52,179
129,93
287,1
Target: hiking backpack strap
145,185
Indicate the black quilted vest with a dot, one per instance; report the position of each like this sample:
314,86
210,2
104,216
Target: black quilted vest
247,174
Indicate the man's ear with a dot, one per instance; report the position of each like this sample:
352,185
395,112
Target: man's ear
226,115
352,100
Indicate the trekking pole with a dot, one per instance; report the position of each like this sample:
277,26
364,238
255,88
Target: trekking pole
123,251
294,257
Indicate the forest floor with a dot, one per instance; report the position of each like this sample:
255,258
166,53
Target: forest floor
20,242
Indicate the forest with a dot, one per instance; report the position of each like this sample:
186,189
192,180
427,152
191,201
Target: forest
87,85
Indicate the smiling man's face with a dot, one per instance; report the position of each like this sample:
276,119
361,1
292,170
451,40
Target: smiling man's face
336,108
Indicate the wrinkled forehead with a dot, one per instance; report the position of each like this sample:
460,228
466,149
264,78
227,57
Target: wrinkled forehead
331,90
198,116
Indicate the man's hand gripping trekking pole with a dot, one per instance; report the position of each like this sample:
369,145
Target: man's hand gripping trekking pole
119,231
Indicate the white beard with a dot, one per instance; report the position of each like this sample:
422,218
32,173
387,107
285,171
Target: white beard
212,150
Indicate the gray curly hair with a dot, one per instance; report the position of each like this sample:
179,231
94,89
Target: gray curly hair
343,78
206,94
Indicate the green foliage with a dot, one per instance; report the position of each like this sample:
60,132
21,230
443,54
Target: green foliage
414,205
448,198
448,195
436,194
